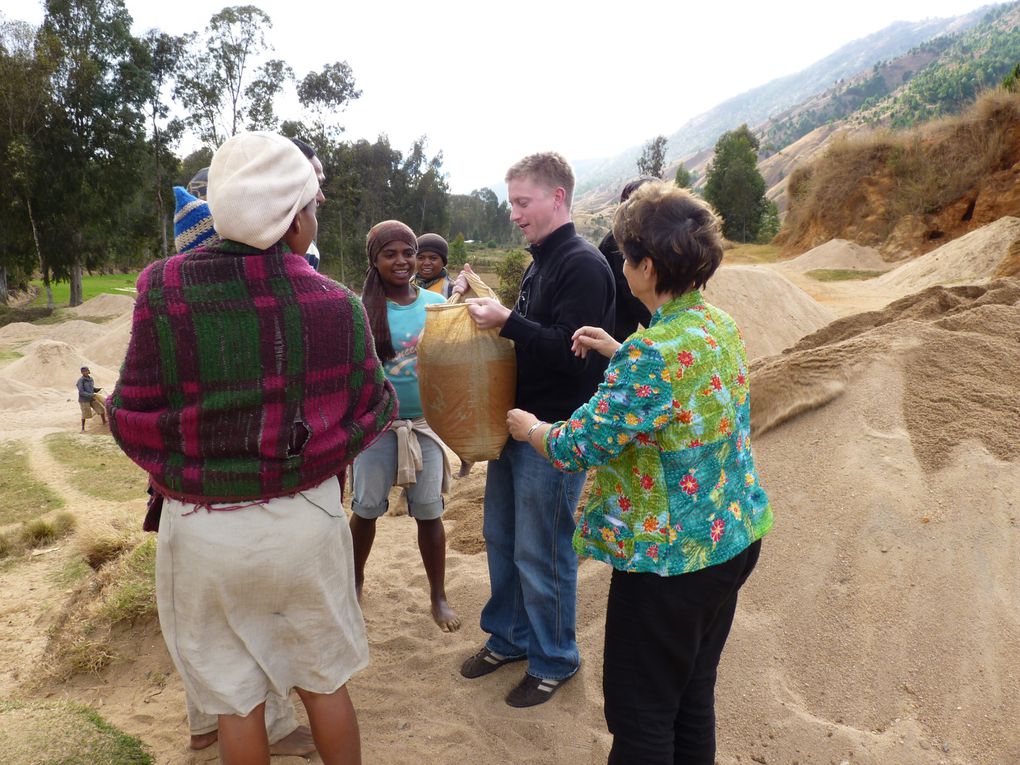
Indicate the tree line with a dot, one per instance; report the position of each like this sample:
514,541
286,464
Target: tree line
91,118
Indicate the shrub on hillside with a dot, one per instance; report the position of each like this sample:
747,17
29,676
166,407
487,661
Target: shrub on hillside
510,272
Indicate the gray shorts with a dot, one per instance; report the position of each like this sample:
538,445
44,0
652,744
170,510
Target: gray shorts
375,470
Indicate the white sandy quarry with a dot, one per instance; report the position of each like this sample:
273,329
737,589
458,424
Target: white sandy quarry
882,625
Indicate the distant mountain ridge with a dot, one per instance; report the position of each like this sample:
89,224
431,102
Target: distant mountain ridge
599,180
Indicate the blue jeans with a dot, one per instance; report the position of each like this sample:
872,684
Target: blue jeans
528,528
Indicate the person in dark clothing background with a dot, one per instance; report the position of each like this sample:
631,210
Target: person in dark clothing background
312,256
629,310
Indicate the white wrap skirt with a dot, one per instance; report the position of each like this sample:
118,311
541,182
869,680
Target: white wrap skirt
259,598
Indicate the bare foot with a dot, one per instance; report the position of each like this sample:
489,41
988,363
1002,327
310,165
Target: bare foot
297,743
445,616
204,740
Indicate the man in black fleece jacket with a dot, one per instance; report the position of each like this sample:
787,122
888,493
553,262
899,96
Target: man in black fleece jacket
529,506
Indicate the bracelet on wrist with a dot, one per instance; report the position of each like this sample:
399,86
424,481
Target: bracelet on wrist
532,429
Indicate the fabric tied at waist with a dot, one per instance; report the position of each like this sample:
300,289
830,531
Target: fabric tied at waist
409,451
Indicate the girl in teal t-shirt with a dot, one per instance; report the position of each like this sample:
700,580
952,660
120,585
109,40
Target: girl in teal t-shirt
396,312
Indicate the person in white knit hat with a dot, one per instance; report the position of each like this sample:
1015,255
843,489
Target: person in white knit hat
249,384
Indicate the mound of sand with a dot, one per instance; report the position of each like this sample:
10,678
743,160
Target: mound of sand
972,258
111,348
838,254
53,364
19,332
882,621
21,398
106,304
960,347
771,311
74,332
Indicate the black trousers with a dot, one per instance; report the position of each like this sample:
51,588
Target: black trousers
664,638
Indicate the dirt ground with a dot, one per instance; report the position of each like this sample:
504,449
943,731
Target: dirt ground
880,627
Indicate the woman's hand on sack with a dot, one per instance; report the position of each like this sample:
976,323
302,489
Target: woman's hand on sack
460,286
593,339
487,313
518,422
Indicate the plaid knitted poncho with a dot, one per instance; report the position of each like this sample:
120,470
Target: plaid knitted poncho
248,376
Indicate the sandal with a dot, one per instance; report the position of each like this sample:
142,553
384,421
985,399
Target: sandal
484,662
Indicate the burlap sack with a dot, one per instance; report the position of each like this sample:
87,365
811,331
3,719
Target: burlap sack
467,377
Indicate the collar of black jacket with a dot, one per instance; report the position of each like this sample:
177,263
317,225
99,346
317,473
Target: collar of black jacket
553,241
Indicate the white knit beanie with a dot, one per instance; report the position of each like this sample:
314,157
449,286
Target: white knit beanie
258,182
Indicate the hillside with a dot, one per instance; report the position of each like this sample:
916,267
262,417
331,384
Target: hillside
937,78
599,180
910,192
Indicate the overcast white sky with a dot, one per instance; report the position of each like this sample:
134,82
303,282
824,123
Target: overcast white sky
489,83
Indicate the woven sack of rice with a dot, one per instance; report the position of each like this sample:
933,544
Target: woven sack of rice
467,377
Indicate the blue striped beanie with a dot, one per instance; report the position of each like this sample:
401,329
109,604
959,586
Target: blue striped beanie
193,223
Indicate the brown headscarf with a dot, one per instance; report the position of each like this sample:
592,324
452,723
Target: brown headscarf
388,231
372,294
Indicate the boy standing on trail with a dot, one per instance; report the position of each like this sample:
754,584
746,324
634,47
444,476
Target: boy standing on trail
88,398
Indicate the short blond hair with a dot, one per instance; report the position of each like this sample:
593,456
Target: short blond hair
547,168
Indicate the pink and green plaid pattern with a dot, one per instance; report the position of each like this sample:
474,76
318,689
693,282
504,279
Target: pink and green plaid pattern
248,376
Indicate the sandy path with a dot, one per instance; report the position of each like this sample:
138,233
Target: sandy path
32,594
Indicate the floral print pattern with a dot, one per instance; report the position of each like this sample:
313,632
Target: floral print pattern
676,489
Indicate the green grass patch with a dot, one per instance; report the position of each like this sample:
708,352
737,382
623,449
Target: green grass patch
28,314
121,592
91,285
37,532
60,316
842,274
134,594
65,733
97,467
6,357
751,254
74,571
41,531
484,258
24,497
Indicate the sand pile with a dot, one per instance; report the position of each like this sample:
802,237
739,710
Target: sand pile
771,311
111,348
53,364
882,622
972,258
104,305
838,254
74,332
22,398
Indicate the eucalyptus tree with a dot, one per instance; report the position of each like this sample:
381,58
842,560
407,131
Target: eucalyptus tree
94,144
227,85
25,97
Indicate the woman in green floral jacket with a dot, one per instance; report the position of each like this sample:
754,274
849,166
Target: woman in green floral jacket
677,508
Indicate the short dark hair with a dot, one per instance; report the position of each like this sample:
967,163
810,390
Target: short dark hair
678,231
634,185
306,148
